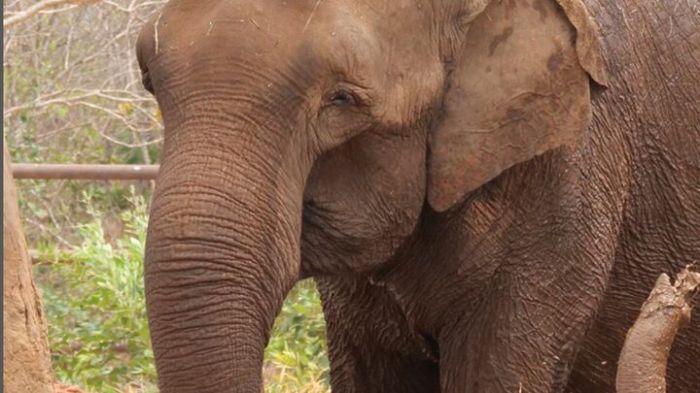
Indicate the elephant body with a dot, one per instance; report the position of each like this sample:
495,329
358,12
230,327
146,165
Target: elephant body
634,208
480,263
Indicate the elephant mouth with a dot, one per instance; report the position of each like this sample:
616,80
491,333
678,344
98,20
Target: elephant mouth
314,233
430,347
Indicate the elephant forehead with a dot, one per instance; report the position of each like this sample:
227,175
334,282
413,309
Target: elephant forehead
386,47
253,27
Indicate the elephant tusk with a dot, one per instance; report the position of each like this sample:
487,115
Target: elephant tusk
155,32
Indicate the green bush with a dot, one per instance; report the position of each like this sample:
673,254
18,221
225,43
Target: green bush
296,355
98,330
95,305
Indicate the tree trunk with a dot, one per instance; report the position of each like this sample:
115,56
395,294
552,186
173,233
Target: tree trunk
27,362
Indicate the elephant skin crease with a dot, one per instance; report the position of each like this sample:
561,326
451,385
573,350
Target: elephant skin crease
485,191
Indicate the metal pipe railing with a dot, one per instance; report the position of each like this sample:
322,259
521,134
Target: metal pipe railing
84,172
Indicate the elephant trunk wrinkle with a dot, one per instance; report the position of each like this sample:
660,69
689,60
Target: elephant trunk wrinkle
222,252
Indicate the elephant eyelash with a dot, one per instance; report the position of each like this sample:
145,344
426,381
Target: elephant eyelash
343,98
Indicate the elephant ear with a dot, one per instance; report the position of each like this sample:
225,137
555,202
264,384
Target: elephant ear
520,87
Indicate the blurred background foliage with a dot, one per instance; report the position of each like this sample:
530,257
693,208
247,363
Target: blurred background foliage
73,94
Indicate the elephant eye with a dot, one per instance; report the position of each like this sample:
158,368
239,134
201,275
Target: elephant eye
342,98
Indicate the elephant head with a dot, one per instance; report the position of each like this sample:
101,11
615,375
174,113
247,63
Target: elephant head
307,137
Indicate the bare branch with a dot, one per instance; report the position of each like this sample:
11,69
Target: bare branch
73,93
69,97
39,6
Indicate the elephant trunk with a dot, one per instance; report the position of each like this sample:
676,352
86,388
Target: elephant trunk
221,254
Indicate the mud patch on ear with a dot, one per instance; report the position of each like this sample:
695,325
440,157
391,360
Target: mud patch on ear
518,90
507,32
588,44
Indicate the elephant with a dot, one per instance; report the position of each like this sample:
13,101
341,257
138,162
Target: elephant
484,191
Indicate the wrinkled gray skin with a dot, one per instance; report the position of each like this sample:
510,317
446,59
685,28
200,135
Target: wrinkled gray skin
319,138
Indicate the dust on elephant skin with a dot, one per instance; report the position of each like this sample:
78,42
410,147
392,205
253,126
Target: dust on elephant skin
485,191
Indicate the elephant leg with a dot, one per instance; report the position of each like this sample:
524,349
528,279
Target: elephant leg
370,344
523,338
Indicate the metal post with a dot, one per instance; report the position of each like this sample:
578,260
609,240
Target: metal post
84,172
